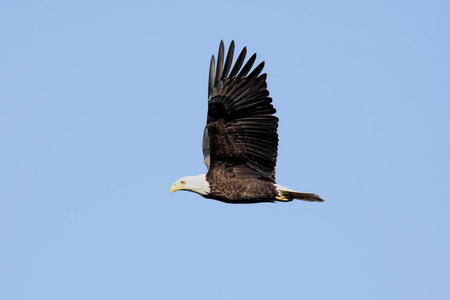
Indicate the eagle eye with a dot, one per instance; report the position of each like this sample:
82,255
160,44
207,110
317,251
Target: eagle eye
183,182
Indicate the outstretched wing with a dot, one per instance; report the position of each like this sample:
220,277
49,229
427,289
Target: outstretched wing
241,129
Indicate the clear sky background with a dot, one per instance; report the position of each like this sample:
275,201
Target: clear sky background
102,108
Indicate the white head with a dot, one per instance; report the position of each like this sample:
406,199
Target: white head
197,184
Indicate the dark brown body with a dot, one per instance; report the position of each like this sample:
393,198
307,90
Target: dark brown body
239,190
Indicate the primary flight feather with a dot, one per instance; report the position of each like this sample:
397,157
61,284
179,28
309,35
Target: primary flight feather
240,140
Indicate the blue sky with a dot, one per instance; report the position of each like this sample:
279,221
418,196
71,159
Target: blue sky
102,108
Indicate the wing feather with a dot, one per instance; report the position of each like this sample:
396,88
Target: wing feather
212,73
239,61
247,67
219,65
228,61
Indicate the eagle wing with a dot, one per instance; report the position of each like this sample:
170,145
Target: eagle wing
241,130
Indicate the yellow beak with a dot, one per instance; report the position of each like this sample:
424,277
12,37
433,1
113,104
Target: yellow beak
175,187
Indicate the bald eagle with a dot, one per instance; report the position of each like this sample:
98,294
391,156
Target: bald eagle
240,140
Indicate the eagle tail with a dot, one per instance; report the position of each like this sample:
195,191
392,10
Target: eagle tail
285,194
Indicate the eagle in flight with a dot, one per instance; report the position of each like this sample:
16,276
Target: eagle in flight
240,140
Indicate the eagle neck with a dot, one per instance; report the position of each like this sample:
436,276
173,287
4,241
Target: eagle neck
200,185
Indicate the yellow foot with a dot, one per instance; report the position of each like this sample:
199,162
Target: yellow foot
284,198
